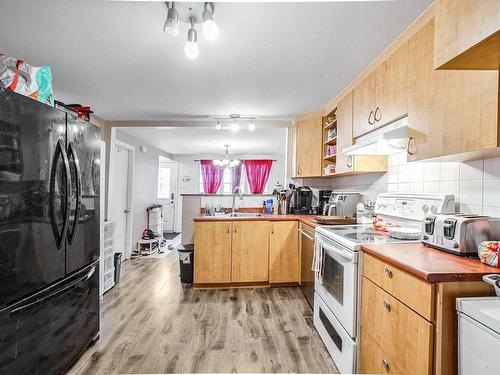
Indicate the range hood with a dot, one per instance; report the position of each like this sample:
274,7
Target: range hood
389,139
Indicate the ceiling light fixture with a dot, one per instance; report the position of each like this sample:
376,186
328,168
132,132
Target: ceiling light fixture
210,28
191,47
191,13
171,25
251,125
227,162
218,126
234,126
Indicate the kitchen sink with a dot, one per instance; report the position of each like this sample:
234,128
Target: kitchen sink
246,214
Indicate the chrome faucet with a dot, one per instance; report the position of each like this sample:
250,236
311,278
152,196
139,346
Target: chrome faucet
236,188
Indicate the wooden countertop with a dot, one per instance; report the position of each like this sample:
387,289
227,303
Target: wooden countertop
430,264
306,219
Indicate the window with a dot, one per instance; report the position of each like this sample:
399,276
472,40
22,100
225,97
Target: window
164,183
225,186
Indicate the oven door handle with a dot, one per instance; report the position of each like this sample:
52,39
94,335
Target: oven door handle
348,255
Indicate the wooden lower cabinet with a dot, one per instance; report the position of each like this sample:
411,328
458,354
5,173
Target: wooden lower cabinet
250,252
404,337
212,260
283,252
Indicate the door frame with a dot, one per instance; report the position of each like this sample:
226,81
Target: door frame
130,186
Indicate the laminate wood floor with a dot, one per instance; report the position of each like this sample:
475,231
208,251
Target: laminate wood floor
151,324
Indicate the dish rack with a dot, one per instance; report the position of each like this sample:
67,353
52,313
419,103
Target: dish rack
109,255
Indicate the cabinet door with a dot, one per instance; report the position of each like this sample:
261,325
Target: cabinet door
250,251
370,361
284,252
212,258
344,133
364,106
309,145
450,112
467,34
391,89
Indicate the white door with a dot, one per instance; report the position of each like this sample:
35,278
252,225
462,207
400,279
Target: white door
167,192
120,196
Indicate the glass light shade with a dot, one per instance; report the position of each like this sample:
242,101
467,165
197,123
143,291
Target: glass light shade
218,126
191,49
251,126
171,26
210,30
235,127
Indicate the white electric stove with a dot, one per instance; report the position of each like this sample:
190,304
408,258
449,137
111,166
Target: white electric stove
337,261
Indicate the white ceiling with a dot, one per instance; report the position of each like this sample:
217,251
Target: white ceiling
272,60
197,141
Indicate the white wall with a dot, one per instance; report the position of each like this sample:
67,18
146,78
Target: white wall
475,184
145,182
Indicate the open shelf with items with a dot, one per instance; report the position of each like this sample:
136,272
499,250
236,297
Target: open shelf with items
329,143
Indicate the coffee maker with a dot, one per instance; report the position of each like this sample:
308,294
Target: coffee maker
320,207
301,201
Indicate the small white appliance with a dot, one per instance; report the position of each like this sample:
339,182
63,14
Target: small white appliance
337,263
478,335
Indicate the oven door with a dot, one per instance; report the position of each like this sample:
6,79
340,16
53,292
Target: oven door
337,282
339,344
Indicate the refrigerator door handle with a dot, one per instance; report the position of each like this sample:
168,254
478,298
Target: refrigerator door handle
39,300
72,154
59,152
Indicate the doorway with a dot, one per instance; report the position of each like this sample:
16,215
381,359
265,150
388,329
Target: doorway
122,168
167,193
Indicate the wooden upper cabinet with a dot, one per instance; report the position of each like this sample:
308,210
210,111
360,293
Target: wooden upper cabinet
250,251
382,97
391,89
344,133
449,112
467,34
308,146
364,106
212,261
283,252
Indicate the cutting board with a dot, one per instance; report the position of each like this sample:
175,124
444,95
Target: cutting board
335,220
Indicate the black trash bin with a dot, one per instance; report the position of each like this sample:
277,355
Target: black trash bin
118,266
186,262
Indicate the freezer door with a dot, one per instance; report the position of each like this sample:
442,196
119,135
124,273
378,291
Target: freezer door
33,184
45,333
83,151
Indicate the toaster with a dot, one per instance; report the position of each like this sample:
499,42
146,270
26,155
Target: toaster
459,234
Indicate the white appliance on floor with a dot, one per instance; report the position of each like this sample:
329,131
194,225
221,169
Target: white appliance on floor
478,335
337,264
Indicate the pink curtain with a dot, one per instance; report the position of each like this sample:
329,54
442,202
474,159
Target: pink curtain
211,175
236,176
257,174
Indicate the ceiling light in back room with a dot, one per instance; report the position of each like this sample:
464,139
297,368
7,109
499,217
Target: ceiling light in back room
251,125
234,126
218,126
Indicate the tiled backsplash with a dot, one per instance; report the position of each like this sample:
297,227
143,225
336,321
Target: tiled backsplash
476,184
227,201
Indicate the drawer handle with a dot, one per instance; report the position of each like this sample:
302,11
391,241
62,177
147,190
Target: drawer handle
387,305
228,229
385,363
370,121
388,273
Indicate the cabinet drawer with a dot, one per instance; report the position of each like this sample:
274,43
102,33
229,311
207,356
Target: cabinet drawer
413,292
404,337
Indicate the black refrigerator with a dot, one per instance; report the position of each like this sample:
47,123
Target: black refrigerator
49,236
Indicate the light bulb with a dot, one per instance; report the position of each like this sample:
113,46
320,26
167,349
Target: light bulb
191,47
218,126
210,28
235,127
171,26
251,126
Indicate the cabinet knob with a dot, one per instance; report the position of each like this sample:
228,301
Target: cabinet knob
385,363
387,305
272,229
388,273
379,117
228,228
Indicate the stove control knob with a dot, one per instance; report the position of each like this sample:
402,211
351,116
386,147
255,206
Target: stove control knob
425,208
434,209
